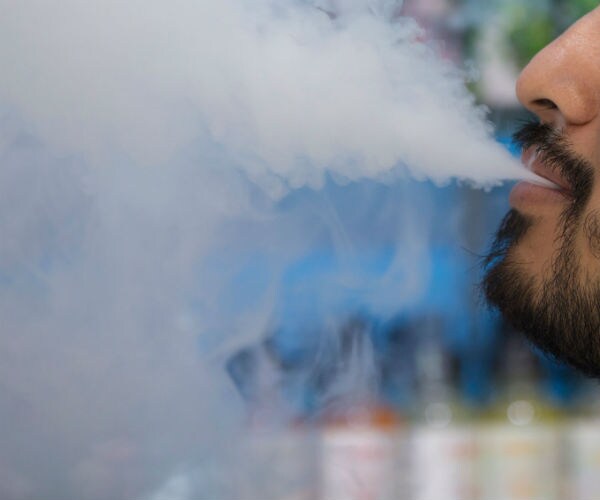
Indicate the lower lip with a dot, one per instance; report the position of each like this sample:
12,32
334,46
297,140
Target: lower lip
526,193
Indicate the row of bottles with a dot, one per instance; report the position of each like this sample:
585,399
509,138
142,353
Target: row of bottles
526,440
376,455
484,460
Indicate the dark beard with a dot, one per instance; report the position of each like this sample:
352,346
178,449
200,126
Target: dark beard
560,313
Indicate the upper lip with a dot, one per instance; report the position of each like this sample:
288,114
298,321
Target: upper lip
533,161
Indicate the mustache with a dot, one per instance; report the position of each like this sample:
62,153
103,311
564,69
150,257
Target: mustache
556,153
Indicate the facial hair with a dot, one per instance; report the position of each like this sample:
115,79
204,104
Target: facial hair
560,312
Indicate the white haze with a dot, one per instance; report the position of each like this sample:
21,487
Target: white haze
285,89
149,153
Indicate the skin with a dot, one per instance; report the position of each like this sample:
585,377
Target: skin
561,85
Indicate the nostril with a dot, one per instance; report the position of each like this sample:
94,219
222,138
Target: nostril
545,104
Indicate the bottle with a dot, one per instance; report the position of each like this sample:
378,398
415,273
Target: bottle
582,445
362,437
364,454
519,440
278,452
443,442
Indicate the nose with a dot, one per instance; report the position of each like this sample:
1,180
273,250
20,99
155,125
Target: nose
561,84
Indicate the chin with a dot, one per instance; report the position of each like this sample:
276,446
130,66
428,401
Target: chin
539,289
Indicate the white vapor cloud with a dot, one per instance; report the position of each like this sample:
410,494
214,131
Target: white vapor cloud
289,91
151,155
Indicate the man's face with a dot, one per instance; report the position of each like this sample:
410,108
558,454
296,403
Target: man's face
544,269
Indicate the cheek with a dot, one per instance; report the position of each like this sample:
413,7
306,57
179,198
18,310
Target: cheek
538,246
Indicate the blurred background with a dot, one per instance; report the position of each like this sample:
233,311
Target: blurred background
217,282
443,401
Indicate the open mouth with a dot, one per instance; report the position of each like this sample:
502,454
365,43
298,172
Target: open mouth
534,161
550,185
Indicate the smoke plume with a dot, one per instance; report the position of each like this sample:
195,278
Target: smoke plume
168,170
